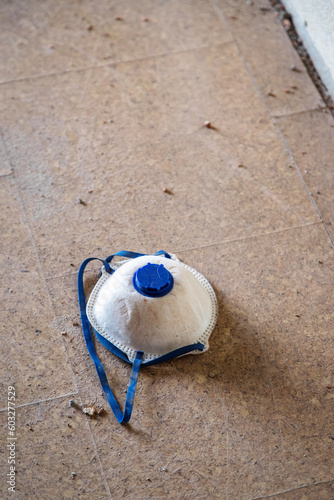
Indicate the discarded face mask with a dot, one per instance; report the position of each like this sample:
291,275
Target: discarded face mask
146,309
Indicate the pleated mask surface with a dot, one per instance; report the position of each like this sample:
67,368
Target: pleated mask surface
146,309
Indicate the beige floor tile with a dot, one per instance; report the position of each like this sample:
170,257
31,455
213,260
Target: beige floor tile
137,102
310,137
47,453
33,353
270,56
316,492
33,357
236,202
56,36
273,352
126,174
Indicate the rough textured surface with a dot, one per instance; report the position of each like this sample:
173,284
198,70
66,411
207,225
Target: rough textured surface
311,137
54,441
106,104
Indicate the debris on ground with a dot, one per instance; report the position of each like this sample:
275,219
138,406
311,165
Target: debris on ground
208,124
294,68
93,410
166,190
73,404
90,410
79,201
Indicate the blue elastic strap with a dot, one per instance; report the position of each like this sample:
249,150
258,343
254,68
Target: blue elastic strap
134,255
165,357
124,417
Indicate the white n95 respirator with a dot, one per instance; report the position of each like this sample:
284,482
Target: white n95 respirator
146,309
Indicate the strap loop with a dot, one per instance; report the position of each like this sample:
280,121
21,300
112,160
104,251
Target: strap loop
134,255
124,417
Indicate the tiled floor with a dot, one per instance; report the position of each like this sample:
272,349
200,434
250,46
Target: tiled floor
106,102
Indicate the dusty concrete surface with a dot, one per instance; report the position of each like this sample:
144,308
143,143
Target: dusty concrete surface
106,102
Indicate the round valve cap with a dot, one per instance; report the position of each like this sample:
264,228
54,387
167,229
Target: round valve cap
153,280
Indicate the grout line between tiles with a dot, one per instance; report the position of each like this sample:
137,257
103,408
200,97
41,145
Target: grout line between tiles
293,489
318,109
242,238
222,242
274,120
38,401
113,63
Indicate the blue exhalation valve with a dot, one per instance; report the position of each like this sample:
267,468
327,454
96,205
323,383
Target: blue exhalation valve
153,280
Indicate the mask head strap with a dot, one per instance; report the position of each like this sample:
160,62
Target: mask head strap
134,255
122,417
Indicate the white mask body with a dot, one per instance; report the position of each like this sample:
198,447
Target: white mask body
157,326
